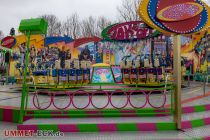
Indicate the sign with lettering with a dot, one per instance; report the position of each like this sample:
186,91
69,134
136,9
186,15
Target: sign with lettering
102,75
127,31
8,42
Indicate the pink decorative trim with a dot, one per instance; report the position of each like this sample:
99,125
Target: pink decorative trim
207,107
146,126
7,115
186,125
207,121
188,109
107,127
9,107
27,127
110,127
206,138
68,128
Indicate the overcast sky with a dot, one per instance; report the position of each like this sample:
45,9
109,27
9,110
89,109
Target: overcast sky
12,11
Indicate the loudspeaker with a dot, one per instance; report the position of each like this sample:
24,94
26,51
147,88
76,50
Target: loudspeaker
7,57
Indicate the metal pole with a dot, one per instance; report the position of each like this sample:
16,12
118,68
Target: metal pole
24,88
7,73
206,80
152,51
177,77
204,83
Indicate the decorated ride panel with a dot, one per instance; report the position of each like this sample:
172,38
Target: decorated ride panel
184,11
102,75
176,17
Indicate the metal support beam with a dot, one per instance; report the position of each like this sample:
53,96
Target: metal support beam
177,78
7,73
24,88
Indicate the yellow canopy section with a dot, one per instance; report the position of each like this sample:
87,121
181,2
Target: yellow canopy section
101,65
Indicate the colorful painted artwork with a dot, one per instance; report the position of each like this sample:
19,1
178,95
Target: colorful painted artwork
114,52
87,51
175,17
99,53
160,48
184,11
117,74
102,75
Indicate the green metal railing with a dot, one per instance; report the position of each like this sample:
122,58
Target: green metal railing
52,90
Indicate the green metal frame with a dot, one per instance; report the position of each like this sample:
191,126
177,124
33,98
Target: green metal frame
54,87
25,111
25,88
29,27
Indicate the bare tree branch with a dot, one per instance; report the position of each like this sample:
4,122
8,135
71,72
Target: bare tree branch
93,26
89,27
71,26
102,23
128,10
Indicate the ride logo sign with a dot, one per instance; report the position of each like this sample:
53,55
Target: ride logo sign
32,133
48,133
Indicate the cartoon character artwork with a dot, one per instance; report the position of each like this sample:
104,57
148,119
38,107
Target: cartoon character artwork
68,54
85,54
103,78
102,75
